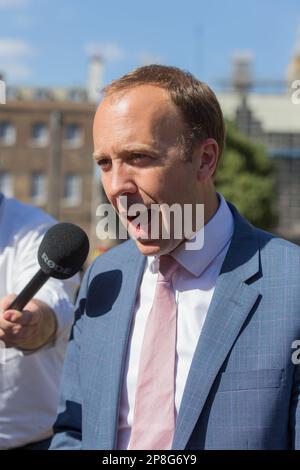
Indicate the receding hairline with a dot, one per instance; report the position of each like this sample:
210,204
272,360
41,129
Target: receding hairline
118,87
193,99
117,95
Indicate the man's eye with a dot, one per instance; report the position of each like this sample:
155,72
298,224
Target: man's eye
103,162
138,156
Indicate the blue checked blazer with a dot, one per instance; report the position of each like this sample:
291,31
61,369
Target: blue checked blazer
243,388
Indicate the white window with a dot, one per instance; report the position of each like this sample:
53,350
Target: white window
7,133
38,188
72,190
73,135
39,134
6,184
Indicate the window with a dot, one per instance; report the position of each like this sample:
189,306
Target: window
42,94
73,135
39,134
12,93
77,95
38,188
6,184
72,190
7,133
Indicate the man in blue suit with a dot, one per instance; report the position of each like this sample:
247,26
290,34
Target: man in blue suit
158,135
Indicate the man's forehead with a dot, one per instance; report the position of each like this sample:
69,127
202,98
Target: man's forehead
142,99
143,114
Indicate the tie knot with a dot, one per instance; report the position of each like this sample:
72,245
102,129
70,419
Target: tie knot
167,267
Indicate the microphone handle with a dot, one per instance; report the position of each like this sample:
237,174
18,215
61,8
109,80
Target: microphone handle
29,291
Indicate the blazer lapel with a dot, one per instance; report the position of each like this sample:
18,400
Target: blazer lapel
231,304
115,329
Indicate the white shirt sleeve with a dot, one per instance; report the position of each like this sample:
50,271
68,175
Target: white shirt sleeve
57,294
29,382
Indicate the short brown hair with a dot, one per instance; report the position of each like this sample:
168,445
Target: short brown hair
195,100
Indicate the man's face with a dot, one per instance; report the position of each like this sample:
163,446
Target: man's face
136,145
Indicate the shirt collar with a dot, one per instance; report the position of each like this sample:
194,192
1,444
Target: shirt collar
217,233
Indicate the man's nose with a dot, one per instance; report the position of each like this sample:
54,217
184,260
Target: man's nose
121,183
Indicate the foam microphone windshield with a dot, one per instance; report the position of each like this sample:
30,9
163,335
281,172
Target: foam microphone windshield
63,250
61,254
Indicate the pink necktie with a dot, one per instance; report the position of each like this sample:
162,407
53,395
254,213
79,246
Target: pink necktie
154,410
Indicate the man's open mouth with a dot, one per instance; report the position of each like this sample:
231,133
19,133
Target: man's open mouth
139,224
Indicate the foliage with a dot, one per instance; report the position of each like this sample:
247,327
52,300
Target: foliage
245,177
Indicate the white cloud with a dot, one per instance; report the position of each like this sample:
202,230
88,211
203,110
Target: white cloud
15,48
13,3
14,56
107,50
15,71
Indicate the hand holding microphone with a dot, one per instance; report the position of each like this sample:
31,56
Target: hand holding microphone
61,254
29,329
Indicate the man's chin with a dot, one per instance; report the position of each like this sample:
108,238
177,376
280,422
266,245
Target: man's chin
156,247
148,248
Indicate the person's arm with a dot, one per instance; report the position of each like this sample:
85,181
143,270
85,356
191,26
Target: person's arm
30,329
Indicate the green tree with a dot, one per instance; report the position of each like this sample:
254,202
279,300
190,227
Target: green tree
245,177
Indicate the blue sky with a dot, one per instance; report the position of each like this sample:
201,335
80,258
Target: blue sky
47,42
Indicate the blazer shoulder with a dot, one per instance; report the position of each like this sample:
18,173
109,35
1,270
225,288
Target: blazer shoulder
270,241
279,254
116,257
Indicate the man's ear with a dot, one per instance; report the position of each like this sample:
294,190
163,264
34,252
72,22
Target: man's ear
206,154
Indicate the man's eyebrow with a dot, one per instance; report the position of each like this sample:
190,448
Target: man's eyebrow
137,147
98,155
129,148
140,148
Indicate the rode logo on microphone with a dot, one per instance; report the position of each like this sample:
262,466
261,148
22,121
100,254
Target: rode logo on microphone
52,265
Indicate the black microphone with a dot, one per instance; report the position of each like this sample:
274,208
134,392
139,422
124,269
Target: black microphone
61,254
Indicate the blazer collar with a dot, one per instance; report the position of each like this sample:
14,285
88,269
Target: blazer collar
112,333
233,299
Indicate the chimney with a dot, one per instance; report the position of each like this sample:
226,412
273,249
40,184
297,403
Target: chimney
2,89
242,75
95,78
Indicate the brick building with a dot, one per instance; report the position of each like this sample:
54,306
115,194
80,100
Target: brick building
46,149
